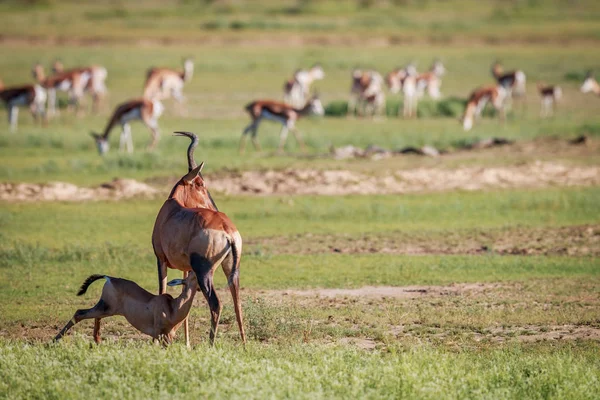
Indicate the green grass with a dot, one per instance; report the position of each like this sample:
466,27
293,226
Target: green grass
75,371
444,341
401,21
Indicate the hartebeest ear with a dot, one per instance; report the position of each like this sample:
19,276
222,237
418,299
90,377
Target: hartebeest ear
193,173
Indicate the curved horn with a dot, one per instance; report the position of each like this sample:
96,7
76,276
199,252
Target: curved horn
190,150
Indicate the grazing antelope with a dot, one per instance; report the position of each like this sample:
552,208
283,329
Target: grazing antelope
297,89
513,81
431,80
162,83
191,235
550,95
33,96
366,93
590,84
148,111
478,100
72,82
157,316
96,85
283,113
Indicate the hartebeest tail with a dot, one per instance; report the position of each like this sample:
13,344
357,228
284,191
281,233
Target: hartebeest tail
158,316
191,235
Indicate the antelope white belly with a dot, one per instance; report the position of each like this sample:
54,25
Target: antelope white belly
268,115
21,100
64,85
131,115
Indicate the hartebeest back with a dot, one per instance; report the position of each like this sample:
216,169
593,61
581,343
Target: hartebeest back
190,235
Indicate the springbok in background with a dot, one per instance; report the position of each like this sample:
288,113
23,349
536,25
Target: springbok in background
550,95
366,93
191,235
72,82
431,80
283,113
158,316
477,101
162,83
32,96
513,81
405,80
590,84
148,111
96,84
297,90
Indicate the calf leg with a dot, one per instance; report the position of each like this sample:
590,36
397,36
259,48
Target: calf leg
13,116
100,310
97,330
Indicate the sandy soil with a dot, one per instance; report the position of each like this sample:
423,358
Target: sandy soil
62,191
341,182
580,240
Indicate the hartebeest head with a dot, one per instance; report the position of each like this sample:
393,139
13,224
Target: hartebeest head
190,191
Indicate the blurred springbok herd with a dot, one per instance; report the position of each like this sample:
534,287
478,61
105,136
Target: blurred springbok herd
367,97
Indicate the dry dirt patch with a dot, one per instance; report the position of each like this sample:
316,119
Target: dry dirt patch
341,182
62,191
578,240
398,292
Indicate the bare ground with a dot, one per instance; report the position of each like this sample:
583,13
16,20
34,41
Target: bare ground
342,182
581,240
61,191
474,296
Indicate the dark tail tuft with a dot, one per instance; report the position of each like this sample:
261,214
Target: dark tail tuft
90,279
235,271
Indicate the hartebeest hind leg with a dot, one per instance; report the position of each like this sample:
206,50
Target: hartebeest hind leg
204,272
186,321
234,287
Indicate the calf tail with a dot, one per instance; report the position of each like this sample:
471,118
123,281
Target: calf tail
90,279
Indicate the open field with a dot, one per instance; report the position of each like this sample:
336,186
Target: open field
473,274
